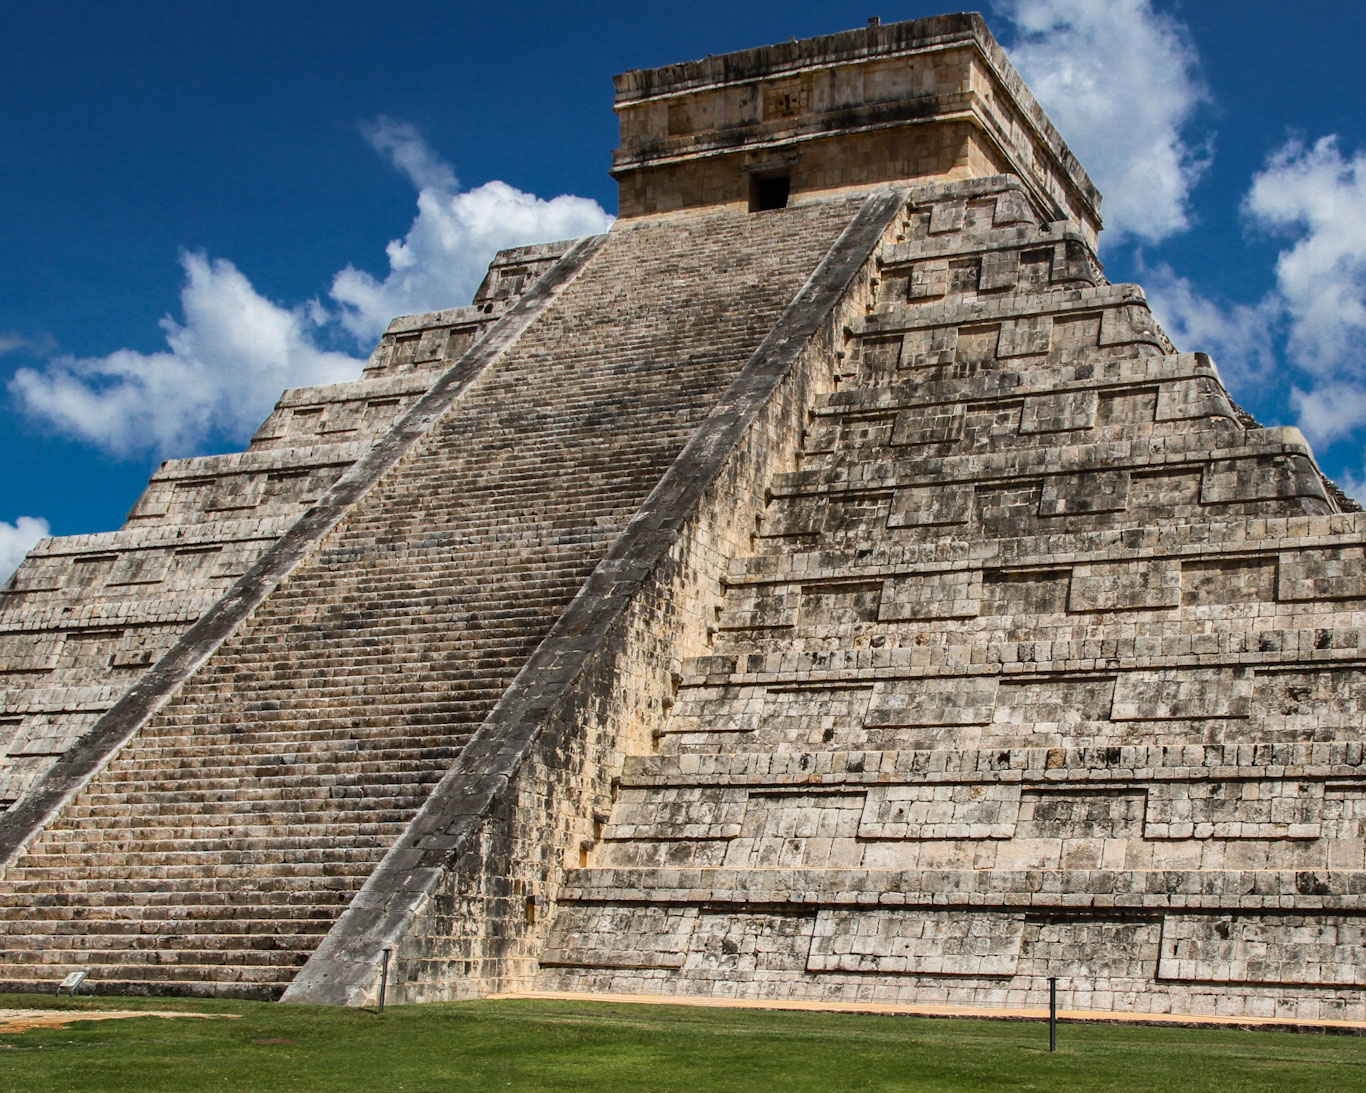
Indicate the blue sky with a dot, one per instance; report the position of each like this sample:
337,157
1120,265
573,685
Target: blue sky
205,204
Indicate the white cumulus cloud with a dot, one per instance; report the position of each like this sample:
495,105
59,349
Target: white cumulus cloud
1306,334
232,351
1121,82
456,233
226,361
1240,337
16,540
1317,196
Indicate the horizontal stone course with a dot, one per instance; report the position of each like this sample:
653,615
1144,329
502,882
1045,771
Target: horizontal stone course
1045,664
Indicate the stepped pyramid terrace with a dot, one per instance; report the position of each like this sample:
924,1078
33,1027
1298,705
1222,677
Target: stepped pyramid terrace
823,586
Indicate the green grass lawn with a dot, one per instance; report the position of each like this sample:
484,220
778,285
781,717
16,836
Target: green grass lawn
543,1045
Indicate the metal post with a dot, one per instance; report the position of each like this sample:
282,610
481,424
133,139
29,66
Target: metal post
384,977
1052,1013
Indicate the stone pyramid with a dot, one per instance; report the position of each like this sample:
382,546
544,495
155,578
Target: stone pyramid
825,585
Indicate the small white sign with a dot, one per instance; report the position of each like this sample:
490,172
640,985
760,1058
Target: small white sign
72,981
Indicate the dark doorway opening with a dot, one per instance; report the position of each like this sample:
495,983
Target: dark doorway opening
768,192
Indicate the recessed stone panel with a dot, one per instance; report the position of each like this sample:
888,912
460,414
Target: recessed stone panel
1295,949
795,516
1008,508
1027,592
948,216
1084,949
1338,573
977,343
1310,701
1263,478
955,700
1197,397
1126,325
915,942
796,830
764,606
940,811
880,354
1060,412
1000,270
1126,406
29,652
1234,810
1053,704
929,279
1078,494
928,506
1192,694
1070,814
1228,581
612,936
929,425
1027,336
928,348
839,604
678,812
1148,584
1164,490
136,567
953,595
739,951
1072,332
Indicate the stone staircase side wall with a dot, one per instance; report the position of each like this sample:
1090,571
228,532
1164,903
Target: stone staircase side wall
114,728
464,899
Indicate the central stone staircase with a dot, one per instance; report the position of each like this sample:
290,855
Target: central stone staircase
223,841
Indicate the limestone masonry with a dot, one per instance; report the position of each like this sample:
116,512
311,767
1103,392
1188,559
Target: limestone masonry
825,585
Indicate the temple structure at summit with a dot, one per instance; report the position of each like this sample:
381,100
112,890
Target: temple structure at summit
824,585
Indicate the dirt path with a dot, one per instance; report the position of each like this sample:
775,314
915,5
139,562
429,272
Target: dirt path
23,1020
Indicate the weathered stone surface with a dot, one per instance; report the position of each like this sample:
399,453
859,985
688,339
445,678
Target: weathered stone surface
851,596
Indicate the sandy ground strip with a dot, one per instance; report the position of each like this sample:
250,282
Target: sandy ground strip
23,1020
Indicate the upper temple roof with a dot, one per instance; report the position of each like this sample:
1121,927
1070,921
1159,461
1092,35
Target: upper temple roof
923,99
